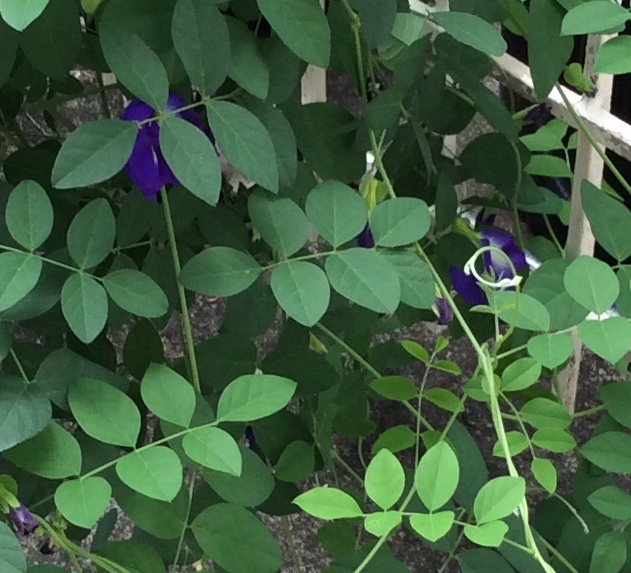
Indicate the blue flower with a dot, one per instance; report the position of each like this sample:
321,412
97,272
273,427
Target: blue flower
147,167
250,440
495,265
365,238
444,311
24,521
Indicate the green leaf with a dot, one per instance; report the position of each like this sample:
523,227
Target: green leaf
545,473
395,439
594,18
517,443
213,448
328,503
136,66
134,556
302,26
24,412
54,453
158,518
104,412
83,501
482,561
192,158
19,273
247,66
609,338
613,57
221,531
548,51
382,522
94,152
548,166
615,397
91,234
385,479
302,290
6,342
155,472
548,137
521,374
336,211
444,399
400,221
136,292
29,215
280,222
591,283
610,451
220,271
498,498
545,413
20,13
246,143
432,526
610,553
416,350
520,310
551,350
437,476
554,440
9,43
612,502
12,558
250,489
84,305
377,19
168,395
296,463
395,388
366,278
408,27
252,397
200,37
609,220
472,31
488,534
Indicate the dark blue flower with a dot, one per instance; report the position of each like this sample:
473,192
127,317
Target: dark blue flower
538,115
24,521
146,166
365,238
445,312
250,440
496,266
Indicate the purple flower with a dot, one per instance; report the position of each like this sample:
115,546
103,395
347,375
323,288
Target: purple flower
495,265
365,238
147,167
445,312
23,520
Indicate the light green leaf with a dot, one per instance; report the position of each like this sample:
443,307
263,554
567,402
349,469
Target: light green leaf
12,558
255,396
91,234
192,158
395,439
548,166
213,448
20,13
395,388
498,498
24,412
614,57
472,31
302,290
382,522
94,152
336,211
385,479
168,395
545,413
444,399
610,451
408,27
545,473
220,271
280,222
104,412
366,278
328,503
554,440
246,143
437,476
83,501
520,374
400,221
84,305
591,283
200,36
517,443
432,526
136,66
302,26
609,338
594,18
551,350
136,292
155,472
520,310
488,534
29,214
19,273
54,453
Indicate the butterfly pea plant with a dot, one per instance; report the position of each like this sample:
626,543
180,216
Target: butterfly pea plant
122,227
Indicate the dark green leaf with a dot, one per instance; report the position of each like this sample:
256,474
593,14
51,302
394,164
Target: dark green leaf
612,502
616,396
20,13
296,463
12,558
168,395
91,234
594,18
400,221
135,292
483,561
9,41
19,273
29,215
610,451
418,288
84,305
472,31
610,553
247,66
377,19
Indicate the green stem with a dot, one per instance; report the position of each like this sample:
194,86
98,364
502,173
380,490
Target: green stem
560,557
19,366
347,467
180,543
186,319
522,427
589,412
553,236
292,545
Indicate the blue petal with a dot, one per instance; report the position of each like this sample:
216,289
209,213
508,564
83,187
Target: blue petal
365,238
143,167
467,287
445,312
137,110
496,264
